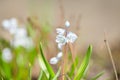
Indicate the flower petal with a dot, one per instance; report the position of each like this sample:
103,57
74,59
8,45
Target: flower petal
60,39
53,60
71,37
60,31
60,46
59,55
67,24
7,55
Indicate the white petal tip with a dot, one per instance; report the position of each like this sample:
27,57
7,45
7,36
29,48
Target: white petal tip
53,60
59,55
67,24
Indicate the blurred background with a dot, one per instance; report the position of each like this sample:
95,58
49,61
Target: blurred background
37,20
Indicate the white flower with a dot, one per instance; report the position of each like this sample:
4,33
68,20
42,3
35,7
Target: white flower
53,60
6,55
67,24
25,42
71,37
13,22
18,42
6,24
12,30
60,39
60,46
20,33
10,25
59,55
29,43
60,31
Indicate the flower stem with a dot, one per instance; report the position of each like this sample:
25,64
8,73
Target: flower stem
72,51
64,62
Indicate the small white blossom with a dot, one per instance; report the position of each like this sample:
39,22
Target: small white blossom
71,37
67,24
59,55
29,43
6,24
60,46
12,30
20,33
53,60
13,22
10,25
60,39
60,31
6,55
18,42
25,42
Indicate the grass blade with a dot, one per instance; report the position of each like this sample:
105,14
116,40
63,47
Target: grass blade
84,64
41,74
98,75
57,74
73,67
30,71
45,66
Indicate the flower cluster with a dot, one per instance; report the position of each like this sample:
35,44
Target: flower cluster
63,38
20,37
19,32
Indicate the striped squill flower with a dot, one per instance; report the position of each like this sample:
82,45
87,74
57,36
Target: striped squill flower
61,39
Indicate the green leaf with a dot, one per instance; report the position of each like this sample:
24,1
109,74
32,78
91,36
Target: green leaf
98,75
40,76
73,67
84,64
57,74
45,66
30,71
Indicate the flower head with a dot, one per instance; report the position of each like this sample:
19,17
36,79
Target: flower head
71,37
6,55
6,24
53,60
60,39
25,42
20,33
10,25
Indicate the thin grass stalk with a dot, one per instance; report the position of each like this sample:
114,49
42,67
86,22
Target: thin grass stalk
72,52
64,62
67,77
30,71
110,54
